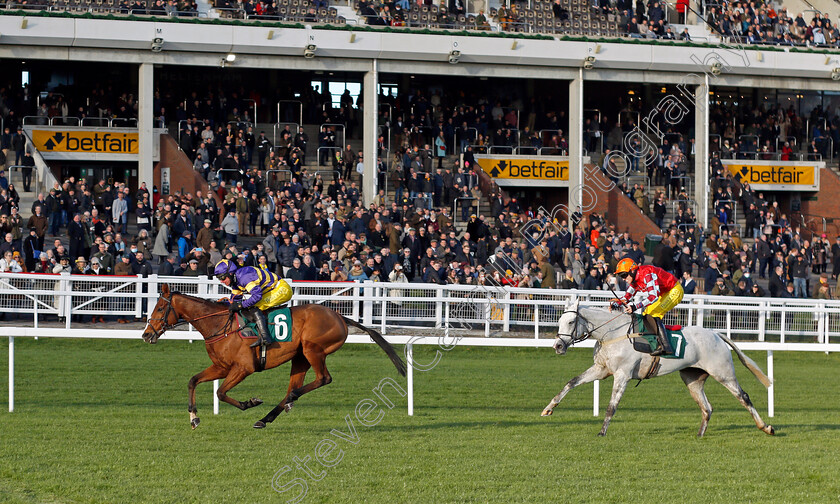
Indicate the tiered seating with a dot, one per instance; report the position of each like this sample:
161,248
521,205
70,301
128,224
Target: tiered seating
583,20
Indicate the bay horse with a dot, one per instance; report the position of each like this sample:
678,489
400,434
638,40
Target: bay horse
706,354
317,331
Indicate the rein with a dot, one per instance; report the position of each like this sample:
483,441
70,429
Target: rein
165,326
588,332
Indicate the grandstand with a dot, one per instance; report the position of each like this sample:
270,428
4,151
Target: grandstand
424,168
366,102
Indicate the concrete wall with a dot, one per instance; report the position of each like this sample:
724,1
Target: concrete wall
183,178
827,204
619,210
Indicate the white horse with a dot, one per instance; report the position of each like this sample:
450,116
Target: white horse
706,353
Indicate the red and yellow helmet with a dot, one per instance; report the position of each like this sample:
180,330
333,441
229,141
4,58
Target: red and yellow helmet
626,265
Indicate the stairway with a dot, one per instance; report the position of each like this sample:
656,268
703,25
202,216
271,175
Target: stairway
26,198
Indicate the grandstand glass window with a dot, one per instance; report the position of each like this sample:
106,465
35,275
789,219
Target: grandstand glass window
337,90
387,89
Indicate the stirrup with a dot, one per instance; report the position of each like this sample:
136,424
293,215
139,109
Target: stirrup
260,342
660,350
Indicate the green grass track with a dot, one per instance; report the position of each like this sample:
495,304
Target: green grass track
107,422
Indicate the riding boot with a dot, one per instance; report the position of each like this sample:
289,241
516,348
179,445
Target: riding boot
662,338
256,316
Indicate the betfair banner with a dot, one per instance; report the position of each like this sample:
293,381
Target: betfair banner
519,170
776,175
85,141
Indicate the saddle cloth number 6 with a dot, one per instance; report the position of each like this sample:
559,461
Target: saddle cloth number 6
280,324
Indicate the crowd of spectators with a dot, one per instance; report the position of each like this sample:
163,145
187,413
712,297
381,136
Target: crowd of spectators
761,23
294,223
774,133
742,21
320,234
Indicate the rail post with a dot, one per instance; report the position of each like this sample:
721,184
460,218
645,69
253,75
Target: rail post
11,373
409,375
215,397
771,406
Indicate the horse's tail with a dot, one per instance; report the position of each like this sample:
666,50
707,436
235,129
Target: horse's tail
746,361
382,342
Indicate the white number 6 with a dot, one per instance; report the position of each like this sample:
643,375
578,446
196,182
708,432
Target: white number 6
279,322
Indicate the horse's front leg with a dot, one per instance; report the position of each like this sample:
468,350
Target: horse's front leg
211,373
596,372
619,386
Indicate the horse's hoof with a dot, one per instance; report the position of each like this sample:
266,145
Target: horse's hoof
259,425
769,430
288,408
255,401
546,412
602,434
194,422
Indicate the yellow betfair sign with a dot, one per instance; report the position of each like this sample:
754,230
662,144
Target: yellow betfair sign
525,168
100,142
776,175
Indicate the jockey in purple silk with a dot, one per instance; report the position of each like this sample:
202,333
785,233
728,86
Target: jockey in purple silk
253,290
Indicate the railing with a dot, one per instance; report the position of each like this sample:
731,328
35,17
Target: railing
630,114
276,181
241,125
390,121
455,207
685,181
330,156
764,324
470,135
187,125
389,304
96,122
552,151
686,203
298,102
772,156
280,126
335,126
733,205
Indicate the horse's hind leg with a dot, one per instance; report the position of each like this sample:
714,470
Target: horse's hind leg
211,373
619,386
695,380
299,368
596,372
731,383
318,359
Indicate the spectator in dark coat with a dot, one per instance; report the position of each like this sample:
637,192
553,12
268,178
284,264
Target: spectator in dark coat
778,282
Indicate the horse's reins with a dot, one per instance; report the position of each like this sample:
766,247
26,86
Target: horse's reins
588,332
165,326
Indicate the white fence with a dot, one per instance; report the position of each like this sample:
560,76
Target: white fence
506,316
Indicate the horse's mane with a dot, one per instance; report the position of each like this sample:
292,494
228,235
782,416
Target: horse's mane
208,302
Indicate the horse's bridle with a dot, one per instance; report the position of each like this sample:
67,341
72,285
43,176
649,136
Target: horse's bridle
587,332
574,335
165,326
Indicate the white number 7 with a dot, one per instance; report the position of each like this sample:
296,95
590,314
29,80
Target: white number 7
679,343
280,322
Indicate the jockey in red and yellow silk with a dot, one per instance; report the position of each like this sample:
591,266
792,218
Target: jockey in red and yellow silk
656,292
